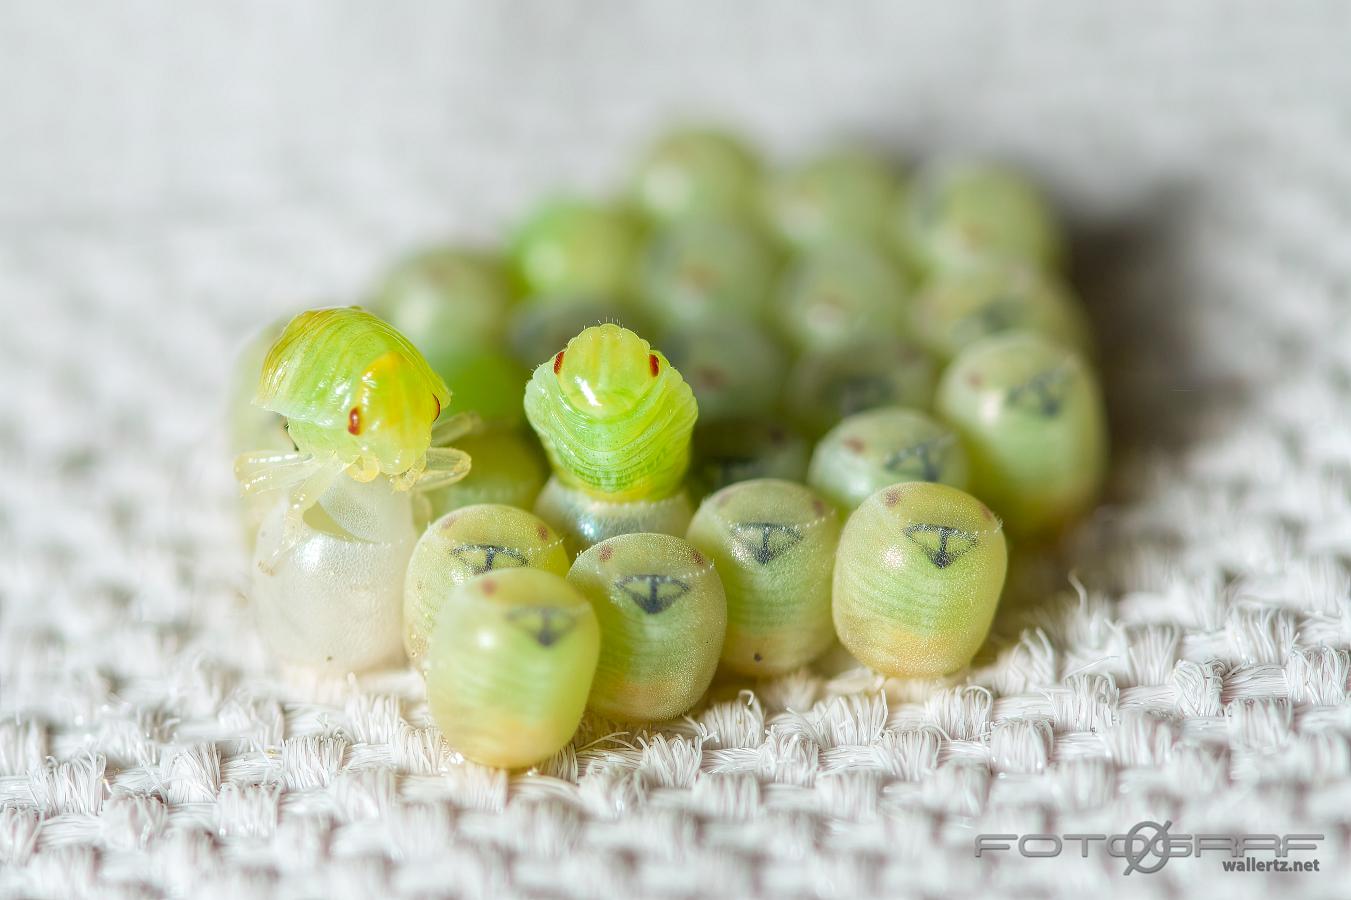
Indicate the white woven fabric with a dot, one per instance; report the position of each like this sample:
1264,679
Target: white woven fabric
169,181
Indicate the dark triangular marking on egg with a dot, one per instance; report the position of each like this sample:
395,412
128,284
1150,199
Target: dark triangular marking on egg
922,461
942,544
1043,394
652,593
856,392
1000,314
480,558
546,624
766,541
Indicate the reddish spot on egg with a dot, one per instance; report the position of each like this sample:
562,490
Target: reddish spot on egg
489,586
354,421
854,444
653,364
819,507
891,498
975,379
543,532
698,558
605,553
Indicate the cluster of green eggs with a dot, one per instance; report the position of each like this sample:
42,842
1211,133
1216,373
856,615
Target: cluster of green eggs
762,409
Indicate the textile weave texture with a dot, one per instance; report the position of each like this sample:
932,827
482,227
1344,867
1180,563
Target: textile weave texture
171,180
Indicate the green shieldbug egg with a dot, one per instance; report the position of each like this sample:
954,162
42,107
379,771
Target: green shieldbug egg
509,666
734,368
918,578
773,543
577,246
584,519
508,469
614,416
1031,416
840,292
872,449
488,381
468,542
847,193
959,307
662,616
957,214
446,300
825,386
697,171
699,270
743,449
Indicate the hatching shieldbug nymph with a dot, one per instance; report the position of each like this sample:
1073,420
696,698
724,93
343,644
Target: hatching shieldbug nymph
614,415
358,398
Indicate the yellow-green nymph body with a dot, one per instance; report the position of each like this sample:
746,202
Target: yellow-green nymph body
462,544
509,666
663,615
614,416
352,387
1030,414
917,580
773,543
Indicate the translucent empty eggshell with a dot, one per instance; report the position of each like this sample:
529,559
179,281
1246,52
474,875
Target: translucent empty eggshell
508,468
577,246
840,292
917,579
959,214
662,614
334,600
734,367
584,520
252,427
468,542
742,449
773,543
509,666
824,386
701,270
958,307
846,193
872,449
697,171
1030,414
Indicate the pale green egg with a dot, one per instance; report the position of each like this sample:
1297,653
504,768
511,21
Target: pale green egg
467,542
663,616
487,381
508,468
697,171
742,449
700,270
824,386
447,301
773,543
872,449
575,246
917,580
735,368
846,193
584,519
509,666
961,306
1030,414
842,291
962,213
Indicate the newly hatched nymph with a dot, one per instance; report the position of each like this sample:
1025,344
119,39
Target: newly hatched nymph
918,577
358,398
1030,414
662,615
872,449
773,543
509,666
467,542
615,419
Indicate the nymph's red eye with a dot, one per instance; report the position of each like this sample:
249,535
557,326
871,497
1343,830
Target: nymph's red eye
653,364
354,421
437,401
558,362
